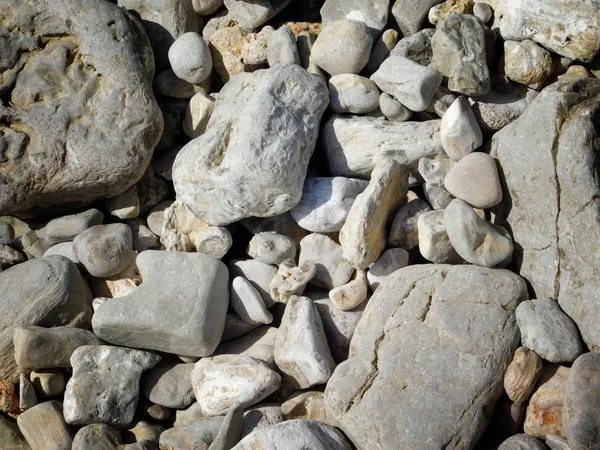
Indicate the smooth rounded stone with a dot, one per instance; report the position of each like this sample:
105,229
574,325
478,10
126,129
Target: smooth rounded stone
459,53
548,331
410,14
381,49
522,374
247,302
207,7
10,436
291,279
271,248
295,434
44,426
483,11
105,250
305,41
416,47
258,343
9,256
363,236
410,83
462,319
475,180
374,13
97,436
301,350
156,217
283,224
522,442
434,243
460,132
126,205
197,115
223,382
343,46
305,405
259,274
169,385
48,383
197,434
190,58
349,93
390,261
67,228
352,145
325,203
404,230
33,246
352,294
27,395
442,100
281,47
557,443
232,182
261,416
63,249
332,270
527,63
251,15
392,109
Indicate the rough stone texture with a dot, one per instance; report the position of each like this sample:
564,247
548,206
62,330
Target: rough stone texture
443,10
434,243
197,434
253,14
392,109
416,47
349,93
180,307
460,132
261,416
404,231
63,62
231,429
522,374
552,199
305,405
374,13
10,436
271,248
527,63
221,175
352,294
332,269
522,442
44,427
51,292
456,325
66,228
281,47
97,436
291,279
169,385
410,14
353,144
557,443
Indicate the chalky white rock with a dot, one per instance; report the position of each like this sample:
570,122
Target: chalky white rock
460,132
190,58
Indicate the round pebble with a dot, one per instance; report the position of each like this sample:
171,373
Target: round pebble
190,58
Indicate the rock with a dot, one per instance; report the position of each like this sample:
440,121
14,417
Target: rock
67,228
281,224
231,430
223,382
152,190
9,397
363,236
247,302
153,411
305,42
118,285
262,416
575,72
271,248
548,331
354,94
156,217
410,14
545,409
392,109
475,180
295,435
207,7
63,249
27,396
390,261
332,270
51,292
281,47
48,383
7,233
259,274
522,442
459,53
527,63
142,237
33,246
190,58
416,47
344,46
126,205
557,443
9,256
180,307
229,48
580,411
353,144
434,243
291,279
442,100
10,436
105,250
251,15
169,385
197,115
325,203
305,405
381,49
576,35
404,231
168,84
258,343
97,436
460,133
246,116
143,431
483,11
352,294
411,314
44,426
522,375
373,13
301,350
198,434
552,233
434,171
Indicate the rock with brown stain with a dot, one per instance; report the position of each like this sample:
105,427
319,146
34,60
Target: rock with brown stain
522,374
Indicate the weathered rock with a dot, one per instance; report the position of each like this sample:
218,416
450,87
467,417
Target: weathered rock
169,385
404,230
352,294
9,256
251,15
443,10
527,63
410,14
66,228
257,273
48,383
142,237
156,217
153,411
281,224
190,58
381,49
291,279
143,431
271,248
44,427
374,13
126,205
230,431
261,416
332,270
180,308
9,397
27,395
206,7
197,434
258,343
475,180
281,47
408,317
63,249
10,436
434,243
197,115
416,47
522,374
434,170
349,93
483,11
305,405
97,436
247,302
225,166
118,285
545,409
390,261
557,443
460,133
522,442
392,109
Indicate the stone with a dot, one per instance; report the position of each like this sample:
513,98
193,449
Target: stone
7,233
305,41
343,46
434,243
381,49
261,416
198,434
354,94
259,274
229,48
271,248
522,442
10,436
48,383
325,203
105,250
391,260
143,431
251,15
548,331
180,307
483,11
169,385
197,115
475,180
332,270
416,47
353,144
231,186
156,217
410,14
459,53
27,395
352,294
553,233
575,72
223,382
474,239
301,350
305,405
63,249
153,411
434,171
67,228
460,132
281,47
363,236
281,224
126,205
152,190
9,397
442,100
118,285
164,164
404,230
295,434
437,196
44,426
522,375
392,109
258,343
230,431
421,314
247,302
527,63
190,58
142,237
207,7
97,436
168,84
51,292
291,279
557,443
449,7
9,256
236,327
373,13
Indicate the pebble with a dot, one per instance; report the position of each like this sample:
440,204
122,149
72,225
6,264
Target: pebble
352,294
48,383
261,416
251,15
404,232
522,374
410,14
197,115
392,109
156,217
197,434
522,442
483,11
230,431
437,196
63,249
475,180
381,49
291,279
257,273
547,330
98,436
354,94
10,436
416,47
126,205
557,443
527,63
390,261
168,84
374,13
247,303
271,248
332,270
281,224
460,132
434,171
343,46
190,58
207,7
258,343
27,395
67,228
434,243
282,48
169,385
44,426
141,431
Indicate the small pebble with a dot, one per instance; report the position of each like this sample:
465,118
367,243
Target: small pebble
392,109
483,11
247,303
460,132
271,248
190,58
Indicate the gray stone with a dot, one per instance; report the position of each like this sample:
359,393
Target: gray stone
169,385
527,63
374,13
437,196
220,175
349,93
10,436
197,434
291,279
48,383
97,436
390,261
410,14
305,41
180,307
281,47
142,237
168,84
416,47
9,256
552,199
251,15
434,170
126,205
475,180
55,96
7,233
67,228
392,109
104,387
283,224
343,46
459,53
522,442
207,7
442,100
247,302
434,243
156,217
332,270
422,314
231,430
197,115
51,292
261,416
483,11
27,395
44,427
271,248
258,343
259,274
557,443
381,49
190,58
460,132
404,230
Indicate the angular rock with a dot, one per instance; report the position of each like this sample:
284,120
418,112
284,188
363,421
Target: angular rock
527,63
66,228
434,171
407,319
251,15
190,58
48,383
27,396
332,270
459,131
416,47
557,443
281,224
271,248
437,196
404,231
305,405
257,273
247,302
352,294
374,13
282,47
349,93
44,426
261,416
410,14
443,10
522,374
434,243
291,279
197,434
475,180
169,385
390,261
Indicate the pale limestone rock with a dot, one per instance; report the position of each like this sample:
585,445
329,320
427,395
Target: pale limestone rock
247,302
390,261
271,248
197,115
460,132
352,294
291,279
332,270
475,180
404,232
434,243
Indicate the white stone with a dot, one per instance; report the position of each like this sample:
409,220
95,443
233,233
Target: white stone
392,109
434,170
271,248
434,243
190,58
382,48
404,231
460,132
352,294
374,13
483,11
281,47
206,7
126,205
197,115
349,93
258,273
247,303
391,260
156,217
258,343
332,270
65,249
291,279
